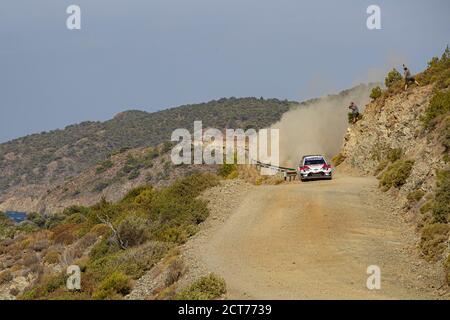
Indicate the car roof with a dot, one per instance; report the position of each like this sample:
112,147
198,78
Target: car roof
313,156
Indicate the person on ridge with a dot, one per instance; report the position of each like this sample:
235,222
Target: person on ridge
408,77
355,111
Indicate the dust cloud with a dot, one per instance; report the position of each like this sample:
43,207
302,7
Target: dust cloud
318,126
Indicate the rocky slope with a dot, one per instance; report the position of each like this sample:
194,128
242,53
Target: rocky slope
395,123
403,139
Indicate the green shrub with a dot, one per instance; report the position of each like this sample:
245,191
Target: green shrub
153,154
101,249
381,166
376,93
115,286
433,240
396,174
427,206
145,198
447,269
176,234
226,169
133,231
392,77
206,288
441,205
175,271
439,105
438,71
394,154
445,133
192,185
46,287
51,257
134,262
7,228
133,193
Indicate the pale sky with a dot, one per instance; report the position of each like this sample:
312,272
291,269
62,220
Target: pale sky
151,55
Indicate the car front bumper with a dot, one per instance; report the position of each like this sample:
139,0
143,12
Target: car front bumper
315,175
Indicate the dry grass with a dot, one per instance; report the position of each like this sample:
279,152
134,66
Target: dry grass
252,175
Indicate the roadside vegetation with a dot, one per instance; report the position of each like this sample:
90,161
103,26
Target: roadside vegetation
249,174
338,159
436,223
396,174
206,288
113,243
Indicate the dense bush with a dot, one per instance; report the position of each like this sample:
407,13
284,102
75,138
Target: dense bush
114,286
206,288
392,77
433,240
226,169
441,206
396,174
447,269
439,106
135,233
394,154
6,227
376,93
175,271
438,71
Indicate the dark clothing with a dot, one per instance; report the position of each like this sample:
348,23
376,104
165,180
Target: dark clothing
408,77
407,74
354,109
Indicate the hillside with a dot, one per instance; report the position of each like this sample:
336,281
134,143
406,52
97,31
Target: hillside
110,179
49,157
82,163
404,140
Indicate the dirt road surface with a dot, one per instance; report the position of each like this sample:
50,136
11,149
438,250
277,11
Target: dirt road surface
315,240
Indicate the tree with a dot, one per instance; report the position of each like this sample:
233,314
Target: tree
376,93
392,77
446,54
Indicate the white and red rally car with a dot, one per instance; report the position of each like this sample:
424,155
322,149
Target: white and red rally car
314,167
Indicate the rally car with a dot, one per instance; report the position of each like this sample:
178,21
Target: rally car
314,167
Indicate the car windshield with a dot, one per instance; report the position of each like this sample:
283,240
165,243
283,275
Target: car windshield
309,162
